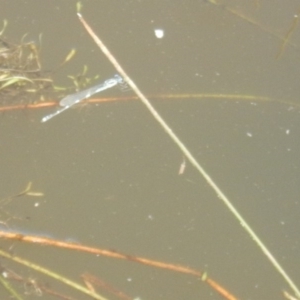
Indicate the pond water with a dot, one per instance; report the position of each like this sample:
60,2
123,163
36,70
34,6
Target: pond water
110,173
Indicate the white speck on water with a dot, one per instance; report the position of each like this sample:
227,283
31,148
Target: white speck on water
249,134
150,217
287,131
159,33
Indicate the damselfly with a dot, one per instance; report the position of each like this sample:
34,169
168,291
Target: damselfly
73,99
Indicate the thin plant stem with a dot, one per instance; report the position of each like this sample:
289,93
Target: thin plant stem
190,157
229,97
10,289
118,255
52,274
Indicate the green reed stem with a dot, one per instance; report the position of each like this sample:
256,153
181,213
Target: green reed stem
189,156
52,274
10,289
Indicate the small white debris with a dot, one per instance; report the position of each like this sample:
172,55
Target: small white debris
249,134
287,131
150,217
182,167
159,33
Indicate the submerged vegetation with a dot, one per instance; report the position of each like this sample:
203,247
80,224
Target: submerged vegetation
21,76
